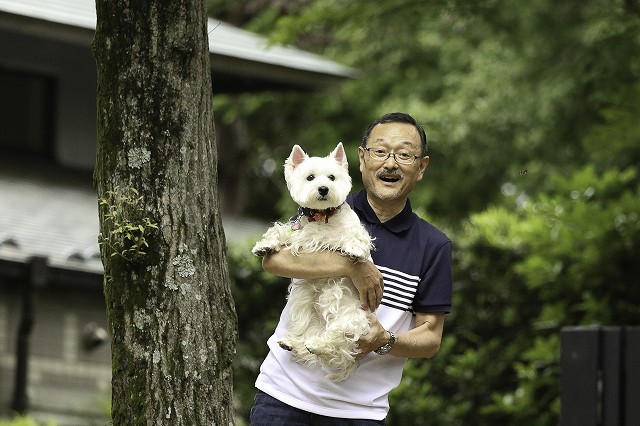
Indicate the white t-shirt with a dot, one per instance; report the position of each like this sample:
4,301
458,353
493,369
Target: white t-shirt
364,395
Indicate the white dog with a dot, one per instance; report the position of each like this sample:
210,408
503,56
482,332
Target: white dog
325,319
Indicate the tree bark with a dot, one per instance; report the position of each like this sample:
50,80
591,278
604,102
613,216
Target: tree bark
171,314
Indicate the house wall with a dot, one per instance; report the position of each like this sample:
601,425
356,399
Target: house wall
74,71
64,378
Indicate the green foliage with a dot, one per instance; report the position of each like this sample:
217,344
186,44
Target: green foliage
532,115
501,87
130,231
524,270
259,298
24,421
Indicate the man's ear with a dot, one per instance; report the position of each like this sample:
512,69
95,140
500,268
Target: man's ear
361,158
424,163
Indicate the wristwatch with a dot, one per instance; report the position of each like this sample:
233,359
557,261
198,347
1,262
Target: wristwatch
386,348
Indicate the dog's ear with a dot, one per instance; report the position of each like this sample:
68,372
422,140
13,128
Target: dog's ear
296,157
340,156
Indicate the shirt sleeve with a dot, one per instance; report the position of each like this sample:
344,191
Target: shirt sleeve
435,288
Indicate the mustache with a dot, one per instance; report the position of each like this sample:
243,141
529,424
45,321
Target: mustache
389,173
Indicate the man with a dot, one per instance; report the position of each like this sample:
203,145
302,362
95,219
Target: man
414,260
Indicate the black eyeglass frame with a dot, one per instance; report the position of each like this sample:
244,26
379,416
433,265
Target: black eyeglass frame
389,154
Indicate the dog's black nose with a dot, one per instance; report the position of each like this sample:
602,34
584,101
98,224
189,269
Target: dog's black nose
323,190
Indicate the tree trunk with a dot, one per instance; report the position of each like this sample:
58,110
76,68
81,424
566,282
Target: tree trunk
171,315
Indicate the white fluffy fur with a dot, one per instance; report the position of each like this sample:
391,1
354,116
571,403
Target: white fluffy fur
325,320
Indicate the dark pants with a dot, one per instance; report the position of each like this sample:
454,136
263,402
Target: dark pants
268,411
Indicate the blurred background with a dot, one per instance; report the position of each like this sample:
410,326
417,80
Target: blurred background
532,115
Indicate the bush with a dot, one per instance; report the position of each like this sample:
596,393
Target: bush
523,271
259,298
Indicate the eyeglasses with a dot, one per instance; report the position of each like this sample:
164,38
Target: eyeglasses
382,154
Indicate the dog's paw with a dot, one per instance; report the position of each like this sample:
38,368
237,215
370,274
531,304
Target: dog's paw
356,253
316,345
261,251
284,345
263,248
312,346
356,249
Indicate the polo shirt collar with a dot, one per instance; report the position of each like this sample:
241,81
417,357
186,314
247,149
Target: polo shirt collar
399,223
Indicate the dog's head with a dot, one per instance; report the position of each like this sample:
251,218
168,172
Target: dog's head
318,182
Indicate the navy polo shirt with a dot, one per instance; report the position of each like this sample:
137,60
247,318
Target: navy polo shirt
413,256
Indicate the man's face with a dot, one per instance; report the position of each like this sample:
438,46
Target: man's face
387,180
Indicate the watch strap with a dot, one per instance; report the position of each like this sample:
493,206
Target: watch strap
386,348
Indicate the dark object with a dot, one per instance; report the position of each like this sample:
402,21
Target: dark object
600,376
93,336
38,276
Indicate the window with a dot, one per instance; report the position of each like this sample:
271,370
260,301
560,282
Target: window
26,113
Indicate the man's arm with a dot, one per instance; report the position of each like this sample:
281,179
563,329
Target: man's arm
323,264
422,341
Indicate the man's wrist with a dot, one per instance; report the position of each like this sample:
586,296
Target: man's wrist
386,348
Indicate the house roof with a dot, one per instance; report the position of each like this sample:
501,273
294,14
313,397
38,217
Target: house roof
54,214
240,60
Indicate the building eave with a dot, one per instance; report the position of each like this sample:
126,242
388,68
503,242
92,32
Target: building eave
235,53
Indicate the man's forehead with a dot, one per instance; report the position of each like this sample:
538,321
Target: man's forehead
402,133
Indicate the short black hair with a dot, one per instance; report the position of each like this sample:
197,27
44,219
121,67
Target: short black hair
398,117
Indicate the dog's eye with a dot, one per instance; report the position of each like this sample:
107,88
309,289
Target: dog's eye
332,177
310,178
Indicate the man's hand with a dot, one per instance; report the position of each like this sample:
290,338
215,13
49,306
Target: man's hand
422,341
368,281
373,340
